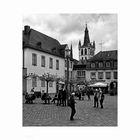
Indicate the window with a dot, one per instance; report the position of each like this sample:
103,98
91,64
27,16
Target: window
34,59
100,64
85,51
115,75
107,64
71,75
51,63
65,63
88,50
57,64
70,64
100,75
43,61
115,64
65,73
81,73
50,84
42,83
78,73
93,75
34,82
108,75
93,65
81,51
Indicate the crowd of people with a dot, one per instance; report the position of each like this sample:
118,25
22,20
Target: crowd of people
62,99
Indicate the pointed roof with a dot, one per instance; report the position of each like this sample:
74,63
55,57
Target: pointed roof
86,37
71,53
79,43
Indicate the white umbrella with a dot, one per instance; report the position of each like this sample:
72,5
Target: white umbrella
61,82
98,84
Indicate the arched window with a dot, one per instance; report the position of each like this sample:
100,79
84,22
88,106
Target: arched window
100,64
107,64
92,65
85,51
81,51
88,50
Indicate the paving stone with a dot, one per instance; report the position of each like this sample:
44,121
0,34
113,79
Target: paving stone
40,114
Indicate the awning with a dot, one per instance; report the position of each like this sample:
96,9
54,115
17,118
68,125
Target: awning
61,82
98,84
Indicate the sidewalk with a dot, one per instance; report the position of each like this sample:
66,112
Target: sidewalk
40,114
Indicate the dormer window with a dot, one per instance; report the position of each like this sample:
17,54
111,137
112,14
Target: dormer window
100,64
39,44
107,64
93,65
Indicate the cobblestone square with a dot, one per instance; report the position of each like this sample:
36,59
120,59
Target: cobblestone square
40,114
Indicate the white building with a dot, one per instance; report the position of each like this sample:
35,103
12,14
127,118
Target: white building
42,54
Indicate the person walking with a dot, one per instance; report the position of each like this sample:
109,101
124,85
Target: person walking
59,101
101,99
31,96
64,96
79,94
72,106
88,93
95,97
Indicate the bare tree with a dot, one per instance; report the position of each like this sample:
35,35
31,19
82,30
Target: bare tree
47,78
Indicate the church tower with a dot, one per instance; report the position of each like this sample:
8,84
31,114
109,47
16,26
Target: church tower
87,50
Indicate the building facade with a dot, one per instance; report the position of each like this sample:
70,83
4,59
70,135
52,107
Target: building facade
92,68
43,55
101,68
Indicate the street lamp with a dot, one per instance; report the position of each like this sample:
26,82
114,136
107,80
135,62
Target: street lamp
67,55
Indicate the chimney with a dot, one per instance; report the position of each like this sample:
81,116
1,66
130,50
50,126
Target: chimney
26,29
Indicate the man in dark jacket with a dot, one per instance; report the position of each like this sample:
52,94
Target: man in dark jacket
72,106
101,99
96,98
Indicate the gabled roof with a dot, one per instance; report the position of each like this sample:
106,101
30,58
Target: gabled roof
105,55
47,42
101,56
41,42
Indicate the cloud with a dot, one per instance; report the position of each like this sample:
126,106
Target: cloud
69,28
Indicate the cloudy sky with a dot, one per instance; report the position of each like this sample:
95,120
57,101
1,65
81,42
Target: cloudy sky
69,28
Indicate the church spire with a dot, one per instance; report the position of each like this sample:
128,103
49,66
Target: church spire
86,37
79,45
71,52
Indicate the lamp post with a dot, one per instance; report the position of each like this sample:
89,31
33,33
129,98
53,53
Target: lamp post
67,55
